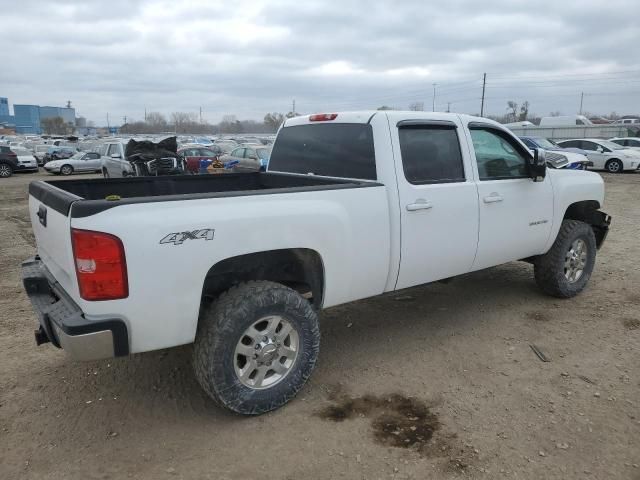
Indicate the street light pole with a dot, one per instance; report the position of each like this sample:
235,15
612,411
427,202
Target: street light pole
433,104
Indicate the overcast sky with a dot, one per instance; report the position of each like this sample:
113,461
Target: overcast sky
249,57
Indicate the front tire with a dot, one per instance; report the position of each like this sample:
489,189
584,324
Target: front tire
5,170
66,170
614,166
256,346
566,268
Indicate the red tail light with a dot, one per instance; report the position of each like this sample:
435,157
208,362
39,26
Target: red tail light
101,266
323,117
12,154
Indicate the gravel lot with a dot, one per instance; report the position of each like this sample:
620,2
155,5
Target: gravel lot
454,359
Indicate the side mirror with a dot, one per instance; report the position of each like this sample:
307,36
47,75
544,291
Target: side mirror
538,168
115,155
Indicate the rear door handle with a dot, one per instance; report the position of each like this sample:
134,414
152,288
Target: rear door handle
419,205
493,198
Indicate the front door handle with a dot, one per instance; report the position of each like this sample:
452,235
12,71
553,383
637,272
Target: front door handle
493,198
419,205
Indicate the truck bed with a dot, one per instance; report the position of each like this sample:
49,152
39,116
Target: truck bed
90,196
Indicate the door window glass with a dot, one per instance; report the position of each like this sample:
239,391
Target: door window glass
431,154
497,157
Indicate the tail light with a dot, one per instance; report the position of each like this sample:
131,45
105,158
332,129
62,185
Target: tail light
12,155
101,266
323,117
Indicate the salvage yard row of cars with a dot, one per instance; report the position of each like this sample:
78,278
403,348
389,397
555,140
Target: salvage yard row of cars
251,153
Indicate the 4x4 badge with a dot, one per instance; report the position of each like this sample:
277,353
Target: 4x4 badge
178,238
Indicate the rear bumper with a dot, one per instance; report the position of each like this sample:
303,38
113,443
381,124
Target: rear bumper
63,323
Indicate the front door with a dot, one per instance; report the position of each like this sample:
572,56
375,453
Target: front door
516,213
438,202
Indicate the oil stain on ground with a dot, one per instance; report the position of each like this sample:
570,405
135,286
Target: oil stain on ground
397,420
631,323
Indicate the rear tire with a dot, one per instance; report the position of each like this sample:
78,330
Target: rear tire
6,170
614,166
230,346
566,268
66,170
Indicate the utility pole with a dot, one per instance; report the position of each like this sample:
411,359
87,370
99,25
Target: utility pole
125,119
581,99
145,114
108,126
448,107
433,102
293,107
484,85
200,114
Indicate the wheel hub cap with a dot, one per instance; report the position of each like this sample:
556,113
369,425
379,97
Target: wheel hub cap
266,352
575,261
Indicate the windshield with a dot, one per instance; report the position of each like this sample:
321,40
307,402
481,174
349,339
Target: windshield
544,143
78,155
21,152
610,145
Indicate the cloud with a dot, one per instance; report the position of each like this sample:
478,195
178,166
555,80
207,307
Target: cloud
255,56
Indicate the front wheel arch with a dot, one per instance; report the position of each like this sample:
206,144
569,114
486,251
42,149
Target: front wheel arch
616,160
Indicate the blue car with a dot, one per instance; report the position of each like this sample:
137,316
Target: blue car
576,157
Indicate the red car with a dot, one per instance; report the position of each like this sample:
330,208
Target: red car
193,155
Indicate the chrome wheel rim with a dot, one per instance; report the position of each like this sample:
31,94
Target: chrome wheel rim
66,170
575,261
614,167
266,352
5,171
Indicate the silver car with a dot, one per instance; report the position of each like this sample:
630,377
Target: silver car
250,158
80,162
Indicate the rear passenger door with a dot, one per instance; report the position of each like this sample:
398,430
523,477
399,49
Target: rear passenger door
438,201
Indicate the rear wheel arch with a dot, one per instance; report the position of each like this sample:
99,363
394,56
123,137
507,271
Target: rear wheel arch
301,269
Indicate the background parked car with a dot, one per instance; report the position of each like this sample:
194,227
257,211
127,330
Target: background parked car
606,155
26,159
558,157
80,162
226,145
8,161
39,151
250,157
193,155
629,142
58,153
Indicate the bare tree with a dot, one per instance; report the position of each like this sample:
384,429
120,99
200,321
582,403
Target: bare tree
273,120
512,110
524,111
55,126
416,107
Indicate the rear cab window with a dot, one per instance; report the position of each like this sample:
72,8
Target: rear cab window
343,150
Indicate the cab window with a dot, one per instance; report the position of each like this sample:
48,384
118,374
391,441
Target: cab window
497,156
431,154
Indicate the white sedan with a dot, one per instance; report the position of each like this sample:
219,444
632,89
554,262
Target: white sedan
80,162
606,155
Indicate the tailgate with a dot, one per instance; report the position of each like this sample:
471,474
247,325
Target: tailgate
51,226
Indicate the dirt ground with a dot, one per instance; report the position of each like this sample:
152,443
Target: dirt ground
433,382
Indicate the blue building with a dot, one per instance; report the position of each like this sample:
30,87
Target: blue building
27,118
4,107
67,114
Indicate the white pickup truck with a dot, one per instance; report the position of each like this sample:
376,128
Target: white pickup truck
352,205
